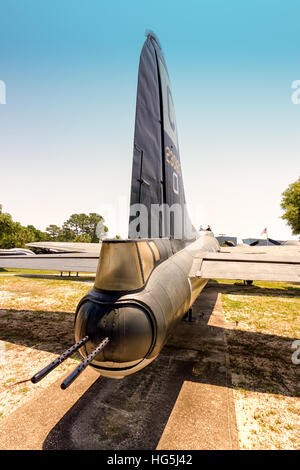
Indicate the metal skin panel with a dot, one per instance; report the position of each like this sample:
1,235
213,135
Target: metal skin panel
272,263
147,259
166,296
250,270
156,170
173,182
146,186
155,251
197,285
119,267
126,265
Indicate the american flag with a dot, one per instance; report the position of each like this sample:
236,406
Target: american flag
264,231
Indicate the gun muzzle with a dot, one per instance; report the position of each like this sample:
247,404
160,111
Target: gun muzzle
76,372
45,371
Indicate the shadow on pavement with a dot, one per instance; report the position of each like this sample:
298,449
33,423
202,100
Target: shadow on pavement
132,413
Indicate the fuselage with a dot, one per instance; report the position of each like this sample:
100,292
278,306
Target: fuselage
144,286
142,290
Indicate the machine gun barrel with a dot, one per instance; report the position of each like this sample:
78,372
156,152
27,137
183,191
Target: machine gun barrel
80,368
45,371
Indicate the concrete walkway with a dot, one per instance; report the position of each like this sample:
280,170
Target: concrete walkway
183,400
28,426
204,411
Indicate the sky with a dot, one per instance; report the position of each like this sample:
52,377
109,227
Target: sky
70,74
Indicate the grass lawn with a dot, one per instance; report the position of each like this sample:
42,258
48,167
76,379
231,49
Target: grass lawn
264,320
36,323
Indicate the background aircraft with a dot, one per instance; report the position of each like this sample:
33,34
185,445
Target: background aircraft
16,252
58,256
234,241
66,247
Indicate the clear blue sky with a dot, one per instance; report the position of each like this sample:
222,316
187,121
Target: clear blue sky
66,130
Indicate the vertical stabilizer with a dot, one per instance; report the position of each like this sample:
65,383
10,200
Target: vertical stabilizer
156,170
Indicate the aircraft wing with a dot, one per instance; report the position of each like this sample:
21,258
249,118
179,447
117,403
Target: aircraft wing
68,247
268,264
71,262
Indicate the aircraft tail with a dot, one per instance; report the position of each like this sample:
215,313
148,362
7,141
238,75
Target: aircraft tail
157,185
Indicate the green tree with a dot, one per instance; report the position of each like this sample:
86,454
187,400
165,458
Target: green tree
290,203
39,236
83,238
66,234
86,225
97,229
6,229
78,228
13,234
53,231
75,223
20,236
94,219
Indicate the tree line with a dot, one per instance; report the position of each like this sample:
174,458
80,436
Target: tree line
290,203
90,227
87,228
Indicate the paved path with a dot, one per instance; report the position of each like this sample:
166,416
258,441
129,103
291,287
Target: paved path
182,400
203,416
28,426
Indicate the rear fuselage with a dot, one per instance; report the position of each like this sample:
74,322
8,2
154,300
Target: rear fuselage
142,290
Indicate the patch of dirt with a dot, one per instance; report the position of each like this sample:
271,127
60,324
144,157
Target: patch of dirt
267,421
17,365
36,325
49,331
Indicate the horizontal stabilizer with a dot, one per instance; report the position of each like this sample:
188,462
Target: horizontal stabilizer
67,247
69,262
260,266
